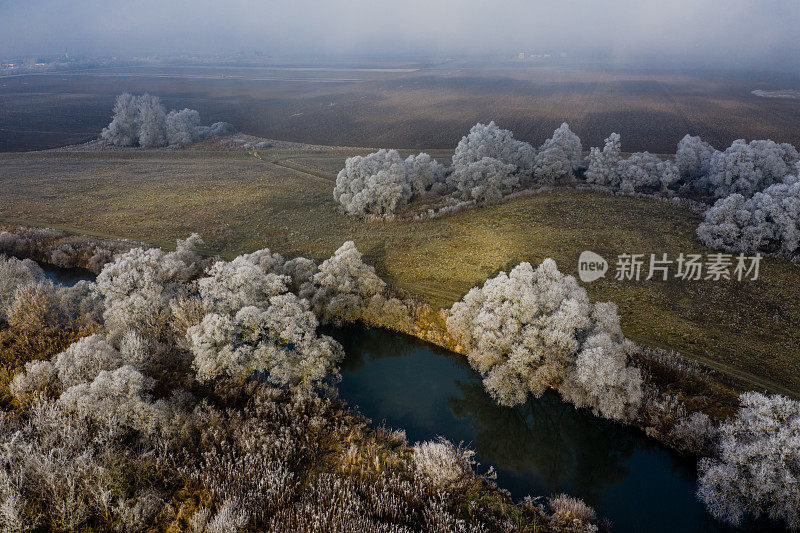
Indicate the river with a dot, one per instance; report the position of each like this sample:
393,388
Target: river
543,447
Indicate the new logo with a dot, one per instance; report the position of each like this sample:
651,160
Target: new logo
591,266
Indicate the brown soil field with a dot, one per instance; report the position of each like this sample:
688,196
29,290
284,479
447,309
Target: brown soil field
410,106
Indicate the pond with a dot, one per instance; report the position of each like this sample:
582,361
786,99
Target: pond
66,276
543,447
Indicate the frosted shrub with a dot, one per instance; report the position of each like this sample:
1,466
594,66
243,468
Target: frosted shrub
374,184
139,285
300,270
37,378
534,329
695,433
142,509
80,305
135,350
756,468
568,509
443,463
35,308
279,340
15,274
266,260
118,398
217,129
85,359
488,140
485,181
768,221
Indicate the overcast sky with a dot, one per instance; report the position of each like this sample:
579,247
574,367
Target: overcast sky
728,32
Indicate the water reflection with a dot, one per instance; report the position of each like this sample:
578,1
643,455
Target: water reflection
546,439
541,447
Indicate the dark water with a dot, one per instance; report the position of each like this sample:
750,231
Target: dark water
66,276
540,448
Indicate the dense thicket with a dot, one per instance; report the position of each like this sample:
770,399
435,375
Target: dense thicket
380,183
142,121
184,398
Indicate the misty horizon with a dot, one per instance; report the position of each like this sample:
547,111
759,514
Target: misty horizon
763,35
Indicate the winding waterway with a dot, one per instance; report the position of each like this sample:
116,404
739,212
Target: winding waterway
543,447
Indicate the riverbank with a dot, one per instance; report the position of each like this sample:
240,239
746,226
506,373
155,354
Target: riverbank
747,331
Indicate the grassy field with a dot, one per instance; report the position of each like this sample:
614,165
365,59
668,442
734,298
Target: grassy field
750,330
416,106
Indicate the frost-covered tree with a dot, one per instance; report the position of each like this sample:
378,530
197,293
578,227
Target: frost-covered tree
603,164
182,126
489,140
380,183
534,329
757,467
343,286
485,181
279,339
693,158
424,174
139,285
769,221
240,283
123,129
748,168
559,156
641,172
373,185
645,173
142,121
152,121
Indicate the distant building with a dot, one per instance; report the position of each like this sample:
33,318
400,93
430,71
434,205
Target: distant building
521,56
